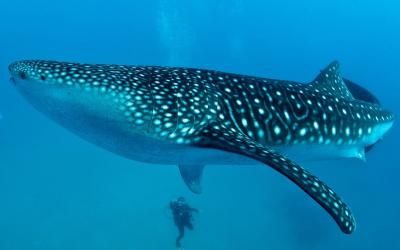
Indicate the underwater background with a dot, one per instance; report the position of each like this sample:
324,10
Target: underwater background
60,192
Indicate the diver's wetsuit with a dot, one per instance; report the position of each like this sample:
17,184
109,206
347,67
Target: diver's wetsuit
182,213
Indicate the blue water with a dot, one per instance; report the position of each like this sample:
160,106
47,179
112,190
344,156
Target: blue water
60,192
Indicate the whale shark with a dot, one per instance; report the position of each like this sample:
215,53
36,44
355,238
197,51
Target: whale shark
196,117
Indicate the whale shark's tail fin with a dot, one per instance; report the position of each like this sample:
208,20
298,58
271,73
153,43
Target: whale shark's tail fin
226,139
360,93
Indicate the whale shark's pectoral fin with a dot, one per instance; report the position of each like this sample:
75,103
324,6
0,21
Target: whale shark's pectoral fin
230,140
192,175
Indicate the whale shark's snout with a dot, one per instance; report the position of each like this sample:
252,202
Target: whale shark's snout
23,70
73,95
42,72
32,79
16,70
16,73
30,76
28,79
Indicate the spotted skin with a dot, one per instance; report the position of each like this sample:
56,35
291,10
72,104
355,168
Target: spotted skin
287,113
152,100
193,117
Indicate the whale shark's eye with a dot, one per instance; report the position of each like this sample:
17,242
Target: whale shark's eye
23,75
43,78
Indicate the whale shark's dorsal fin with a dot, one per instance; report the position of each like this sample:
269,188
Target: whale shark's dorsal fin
192,175
220,137
330,82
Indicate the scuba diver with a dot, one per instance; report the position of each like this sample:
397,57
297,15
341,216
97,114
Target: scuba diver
183,216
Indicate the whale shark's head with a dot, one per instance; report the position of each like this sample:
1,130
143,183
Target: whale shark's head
57,90
46,89
74,95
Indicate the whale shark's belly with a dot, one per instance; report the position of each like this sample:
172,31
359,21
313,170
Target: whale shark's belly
143,148
116,136
122,139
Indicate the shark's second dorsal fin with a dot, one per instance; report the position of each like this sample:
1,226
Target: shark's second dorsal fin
330,82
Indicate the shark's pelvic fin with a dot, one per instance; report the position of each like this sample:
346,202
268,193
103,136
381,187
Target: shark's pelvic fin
361,154
229,140
330,82
192,175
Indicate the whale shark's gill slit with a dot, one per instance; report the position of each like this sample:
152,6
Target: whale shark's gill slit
170,81
224,138
246,105
177,116
153,112
299,109
249,113
226,104
279,124
208,106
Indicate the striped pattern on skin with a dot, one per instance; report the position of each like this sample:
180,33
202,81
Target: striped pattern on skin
287,113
